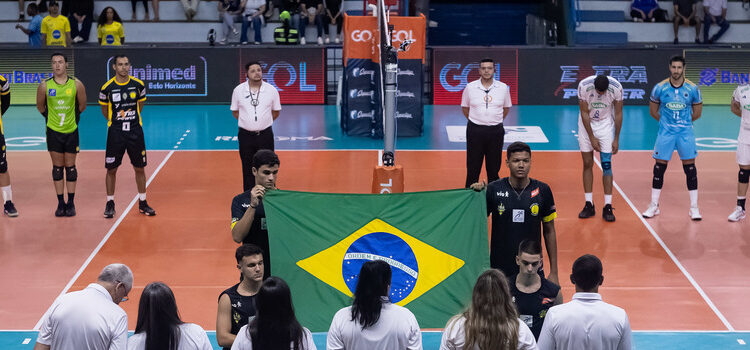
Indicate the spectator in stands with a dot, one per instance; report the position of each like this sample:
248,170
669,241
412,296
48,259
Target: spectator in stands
274,326
80,13
41,7
684,13
333,15
491,321
311,11
293,7
285,34
252,13
647,11
109,29
237,303
372,322
55,28
228,12
586,322
35,26
159,325
191,8
90,318
714,12
154,3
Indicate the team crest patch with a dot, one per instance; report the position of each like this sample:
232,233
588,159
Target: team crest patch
132,94
535,192
534,209
500,209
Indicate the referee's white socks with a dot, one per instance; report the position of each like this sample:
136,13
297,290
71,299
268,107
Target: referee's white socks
7,194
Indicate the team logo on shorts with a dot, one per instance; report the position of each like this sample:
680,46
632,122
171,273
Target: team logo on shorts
143,153
78,148
109,160
500,209
534,209
53,92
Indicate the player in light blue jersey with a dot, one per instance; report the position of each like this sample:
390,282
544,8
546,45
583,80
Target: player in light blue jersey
675,103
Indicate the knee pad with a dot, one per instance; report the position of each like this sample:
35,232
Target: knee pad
692,176
71,173
606,159
659,170
57,173
743,176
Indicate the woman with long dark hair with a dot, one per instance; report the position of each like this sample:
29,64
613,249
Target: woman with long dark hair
274,326
373,322
491,322
159,326
109,28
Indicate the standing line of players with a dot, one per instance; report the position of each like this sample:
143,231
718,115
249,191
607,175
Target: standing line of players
61,99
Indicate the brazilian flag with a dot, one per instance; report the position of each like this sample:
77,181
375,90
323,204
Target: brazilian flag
435,242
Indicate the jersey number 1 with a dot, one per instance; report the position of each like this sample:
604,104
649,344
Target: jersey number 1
126,126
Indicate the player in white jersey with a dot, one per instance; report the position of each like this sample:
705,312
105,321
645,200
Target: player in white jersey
599,123
741,107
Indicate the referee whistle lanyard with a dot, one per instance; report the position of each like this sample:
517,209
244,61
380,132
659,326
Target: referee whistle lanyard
255,101
487,98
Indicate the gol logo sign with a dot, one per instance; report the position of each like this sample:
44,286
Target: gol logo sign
397,36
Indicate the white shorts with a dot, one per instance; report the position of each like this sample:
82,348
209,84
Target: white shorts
743,154
605,136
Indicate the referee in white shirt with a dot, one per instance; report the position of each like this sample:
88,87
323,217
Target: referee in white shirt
255,105
485,102
90,318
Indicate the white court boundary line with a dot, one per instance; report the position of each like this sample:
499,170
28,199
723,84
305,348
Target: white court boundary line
672,256
105,238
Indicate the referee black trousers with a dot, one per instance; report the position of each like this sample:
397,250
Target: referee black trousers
251,142
483,143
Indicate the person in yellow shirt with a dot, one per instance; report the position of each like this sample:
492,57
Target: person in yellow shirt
55,27
109,28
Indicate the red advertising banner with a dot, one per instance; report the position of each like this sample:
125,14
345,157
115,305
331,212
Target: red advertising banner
362,37
298,74
453,68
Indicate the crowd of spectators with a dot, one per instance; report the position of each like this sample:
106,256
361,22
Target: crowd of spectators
686,13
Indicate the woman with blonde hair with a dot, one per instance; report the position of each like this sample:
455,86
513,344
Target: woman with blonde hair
491,322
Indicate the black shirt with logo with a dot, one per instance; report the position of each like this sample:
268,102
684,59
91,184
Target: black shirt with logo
258,233
122,101
243,307
532,307
516,216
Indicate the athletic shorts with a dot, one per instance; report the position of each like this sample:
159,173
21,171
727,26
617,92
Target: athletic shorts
605,136
62,143
3,159
119,142
683,142
743,154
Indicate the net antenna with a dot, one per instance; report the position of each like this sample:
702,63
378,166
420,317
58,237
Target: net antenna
389,83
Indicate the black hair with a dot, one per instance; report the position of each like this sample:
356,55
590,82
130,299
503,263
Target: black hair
247,249
677,58
587,272
59,54
114,59
373,283
251,63
601,83
265,157
529,246
516,147
102,20
486,59
275,326
32,7
158,317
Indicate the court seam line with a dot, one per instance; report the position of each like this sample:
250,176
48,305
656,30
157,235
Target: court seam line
671,255
434,331
358,149
103,241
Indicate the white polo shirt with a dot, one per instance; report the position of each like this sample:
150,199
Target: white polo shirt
714,7
586,322
454,336
192,337
397,328
486,105
255,118
86,319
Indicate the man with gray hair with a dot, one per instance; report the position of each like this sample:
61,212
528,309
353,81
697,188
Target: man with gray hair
90,318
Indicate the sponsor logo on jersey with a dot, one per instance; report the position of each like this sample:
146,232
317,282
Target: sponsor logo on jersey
110,39
53,92
502,194
676,106
598,105
125,114
56,34
68,91
500,209
535,192
132,95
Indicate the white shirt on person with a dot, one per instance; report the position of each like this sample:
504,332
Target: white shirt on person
252,6
87,319
192,337
714,7
454,336
586,322
742,96
601,107
255,118
397,328
486,105
244,342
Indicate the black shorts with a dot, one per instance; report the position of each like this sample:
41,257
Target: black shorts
118,142
682,21
62,143
3,159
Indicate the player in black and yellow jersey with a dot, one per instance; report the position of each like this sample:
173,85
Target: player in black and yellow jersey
61,99
122,99
8,207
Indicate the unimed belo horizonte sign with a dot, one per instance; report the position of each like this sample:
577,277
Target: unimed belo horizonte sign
188,79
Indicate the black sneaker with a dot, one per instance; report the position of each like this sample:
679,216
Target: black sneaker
70,209
145,209
587,211
109,209
607,213
10,209
60,212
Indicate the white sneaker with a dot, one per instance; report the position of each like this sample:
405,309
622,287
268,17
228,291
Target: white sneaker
77,39
737,215
337,40
328,40
320,41
302,41
653,210
695,215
